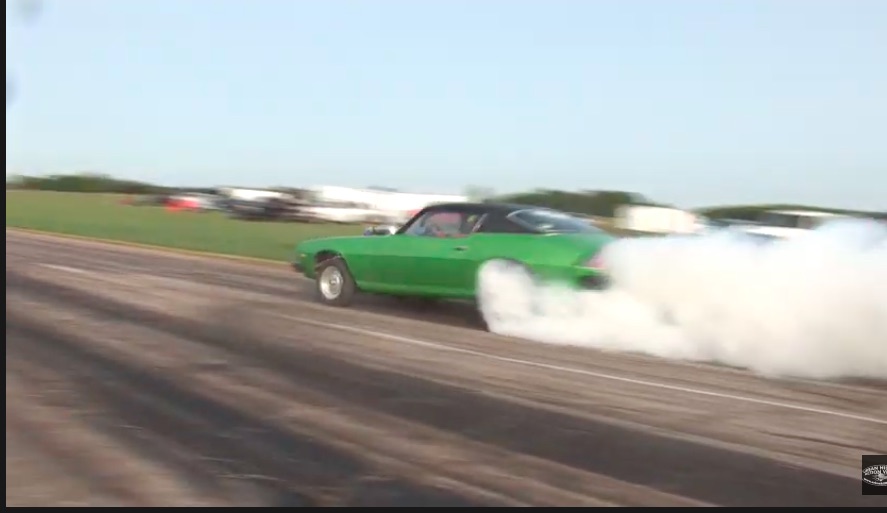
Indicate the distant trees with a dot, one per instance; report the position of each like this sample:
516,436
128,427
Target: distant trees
85,182
382,188
753,212
478,193
592,203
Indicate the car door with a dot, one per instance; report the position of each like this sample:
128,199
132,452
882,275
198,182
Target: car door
432,256
437,264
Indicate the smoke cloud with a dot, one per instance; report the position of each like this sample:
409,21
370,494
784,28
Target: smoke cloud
814,306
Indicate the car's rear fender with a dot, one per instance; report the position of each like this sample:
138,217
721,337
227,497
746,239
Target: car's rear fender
551,258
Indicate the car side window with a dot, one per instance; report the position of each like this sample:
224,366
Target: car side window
443,224
499,224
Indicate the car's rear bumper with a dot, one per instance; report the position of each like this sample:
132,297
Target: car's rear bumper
594,282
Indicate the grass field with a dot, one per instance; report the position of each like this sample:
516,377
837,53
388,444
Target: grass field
104,216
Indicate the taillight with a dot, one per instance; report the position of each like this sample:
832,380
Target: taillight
596,262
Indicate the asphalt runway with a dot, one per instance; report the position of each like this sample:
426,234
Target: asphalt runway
138,377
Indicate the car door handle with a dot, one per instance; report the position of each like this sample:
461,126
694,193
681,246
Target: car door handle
461,248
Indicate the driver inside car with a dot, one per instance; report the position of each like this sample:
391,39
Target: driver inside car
434,229
442,225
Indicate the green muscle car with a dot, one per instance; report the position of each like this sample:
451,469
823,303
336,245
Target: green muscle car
438,252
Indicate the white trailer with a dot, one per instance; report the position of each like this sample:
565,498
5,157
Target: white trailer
651,219
370,205
245,194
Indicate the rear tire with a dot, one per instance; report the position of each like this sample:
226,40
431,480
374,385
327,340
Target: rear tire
334,284
487,299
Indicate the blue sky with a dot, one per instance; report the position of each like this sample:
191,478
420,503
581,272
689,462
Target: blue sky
691,102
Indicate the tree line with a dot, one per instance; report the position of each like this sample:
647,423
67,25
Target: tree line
753,212
87,182
591,203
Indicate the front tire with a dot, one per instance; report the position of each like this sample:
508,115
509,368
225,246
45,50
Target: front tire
334,284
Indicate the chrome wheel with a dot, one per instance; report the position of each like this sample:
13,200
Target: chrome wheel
331,281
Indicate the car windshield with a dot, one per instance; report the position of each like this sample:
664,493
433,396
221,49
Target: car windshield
552,221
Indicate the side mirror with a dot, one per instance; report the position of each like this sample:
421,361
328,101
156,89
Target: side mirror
380,230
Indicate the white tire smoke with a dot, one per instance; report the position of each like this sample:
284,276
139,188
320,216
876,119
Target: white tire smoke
814,306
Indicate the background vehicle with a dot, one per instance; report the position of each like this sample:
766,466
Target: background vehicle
439,251
340,212
786,224
351,205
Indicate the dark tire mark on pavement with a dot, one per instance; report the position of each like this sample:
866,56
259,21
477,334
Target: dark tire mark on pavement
677,466
70,465
292,469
